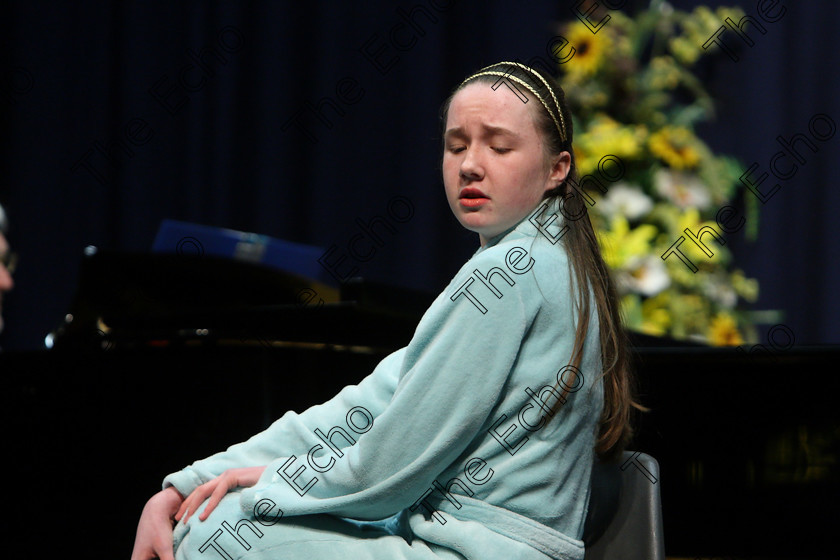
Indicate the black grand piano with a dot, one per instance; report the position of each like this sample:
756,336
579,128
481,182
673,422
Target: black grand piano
165,358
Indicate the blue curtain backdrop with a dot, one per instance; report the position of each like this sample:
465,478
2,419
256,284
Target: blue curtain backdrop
296,119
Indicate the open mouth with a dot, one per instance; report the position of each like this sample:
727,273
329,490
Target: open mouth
471,193
471,197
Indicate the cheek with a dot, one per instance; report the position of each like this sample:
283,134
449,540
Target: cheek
450,171
527,179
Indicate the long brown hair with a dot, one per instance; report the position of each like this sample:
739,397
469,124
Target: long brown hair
553,120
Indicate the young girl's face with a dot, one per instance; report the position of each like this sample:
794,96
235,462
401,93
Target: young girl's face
494,167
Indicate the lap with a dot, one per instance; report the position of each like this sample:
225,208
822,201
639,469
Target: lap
230,533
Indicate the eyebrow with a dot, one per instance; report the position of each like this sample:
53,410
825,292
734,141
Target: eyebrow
488,129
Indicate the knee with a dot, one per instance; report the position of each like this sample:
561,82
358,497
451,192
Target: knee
227,530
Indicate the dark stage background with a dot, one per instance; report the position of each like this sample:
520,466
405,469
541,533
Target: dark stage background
217,143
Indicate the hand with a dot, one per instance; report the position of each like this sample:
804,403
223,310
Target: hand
216,490
154,531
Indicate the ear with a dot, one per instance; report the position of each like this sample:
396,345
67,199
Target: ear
560,166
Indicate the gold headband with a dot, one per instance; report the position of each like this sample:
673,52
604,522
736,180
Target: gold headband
561,125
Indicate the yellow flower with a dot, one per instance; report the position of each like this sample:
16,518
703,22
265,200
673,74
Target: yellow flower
590,50
684,49
656,319
697,28
733,13
677,269
606,136
723,331
690,219
745,287
619,244
586,160
663,73
675,145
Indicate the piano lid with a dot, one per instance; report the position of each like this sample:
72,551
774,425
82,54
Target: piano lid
139,299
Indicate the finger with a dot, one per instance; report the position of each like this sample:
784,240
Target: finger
190,507
187,514
197,496
215,498
181,510
187,507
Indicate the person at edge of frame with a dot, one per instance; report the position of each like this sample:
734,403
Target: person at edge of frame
7,262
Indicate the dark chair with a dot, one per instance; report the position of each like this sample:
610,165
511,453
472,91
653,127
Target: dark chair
624,521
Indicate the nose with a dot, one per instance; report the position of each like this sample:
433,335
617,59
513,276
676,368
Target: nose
471,166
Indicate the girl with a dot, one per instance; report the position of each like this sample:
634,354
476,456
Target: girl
477,439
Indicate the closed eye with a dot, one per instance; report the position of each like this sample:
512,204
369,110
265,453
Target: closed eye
501,150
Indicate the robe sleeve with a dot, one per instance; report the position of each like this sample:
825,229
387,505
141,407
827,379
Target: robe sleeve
454,373
294,432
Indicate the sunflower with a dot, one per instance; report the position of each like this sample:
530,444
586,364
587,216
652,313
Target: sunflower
723,332
590,50
675,145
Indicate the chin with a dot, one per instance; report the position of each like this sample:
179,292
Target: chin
471,222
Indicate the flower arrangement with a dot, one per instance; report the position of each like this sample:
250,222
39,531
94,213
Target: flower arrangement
633,93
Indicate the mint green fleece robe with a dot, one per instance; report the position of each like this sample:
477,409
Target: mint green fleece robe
446,449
